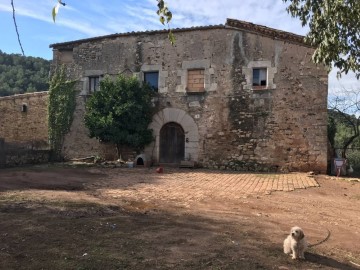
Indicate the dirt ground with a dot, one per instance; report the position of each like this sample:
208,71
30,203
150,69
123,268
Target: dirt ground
54,217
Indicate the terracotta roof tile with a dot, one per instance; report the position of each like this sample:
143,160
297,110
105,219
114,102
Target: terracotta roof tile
230,24
264,30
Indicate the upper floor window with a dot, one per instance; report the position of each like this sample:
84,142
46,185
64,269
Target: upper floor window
259,77
152,78
94,83
196,80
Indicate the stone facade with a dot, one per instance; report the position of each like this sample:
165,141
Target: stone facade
24,118
24,129
230,122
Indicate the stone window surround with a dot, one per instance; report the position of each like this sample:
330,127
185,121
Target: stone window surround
151,77
182,118
163,75
196,64
94,84
86,80
248,72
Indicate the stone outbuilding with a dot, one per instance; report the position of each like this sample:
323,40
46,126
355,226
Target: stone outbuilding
237,96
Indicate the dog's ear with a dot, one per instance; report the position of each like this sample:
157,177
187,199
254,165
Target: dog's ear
302,235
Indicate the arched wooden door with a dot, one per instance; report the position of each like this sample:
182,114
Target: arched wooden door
172,143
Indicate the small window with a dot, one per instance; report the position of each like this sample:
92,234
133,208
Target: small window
196,80
152,78
24,107
94,84
259,77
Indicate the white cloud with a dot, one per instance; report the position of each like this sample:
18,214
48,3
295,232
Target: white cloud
346,81
203,12
42,12
97,17
5,7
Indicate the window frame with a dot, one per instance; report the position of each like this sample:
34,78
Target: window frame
195,90
94,84
258,84
158,77
248,72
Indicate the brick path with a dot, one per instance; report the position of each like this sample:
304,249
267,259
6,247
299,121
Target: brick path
195,185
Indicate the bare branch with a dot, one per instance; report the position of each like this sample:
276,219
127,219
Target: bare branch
347,107
16,28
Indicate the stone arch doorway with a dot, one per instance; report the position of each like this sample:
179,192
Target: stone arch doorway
186,122
172,143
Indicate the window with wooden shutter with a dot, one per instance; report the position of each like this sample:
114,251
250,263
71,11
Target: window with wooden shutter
196,80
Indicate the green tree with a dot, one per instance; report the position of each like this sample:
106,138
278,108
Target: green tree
345,109
334,30
344,138
120,113
20,74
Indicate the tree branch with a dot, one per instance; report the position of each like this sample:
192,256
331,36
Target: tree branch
16,28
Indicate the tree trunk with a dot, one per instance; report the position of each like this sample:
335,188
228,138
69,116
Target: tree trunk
346,145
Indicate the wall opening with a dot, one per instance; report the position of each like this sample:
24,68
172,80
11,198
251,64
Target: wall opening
140,162
172,143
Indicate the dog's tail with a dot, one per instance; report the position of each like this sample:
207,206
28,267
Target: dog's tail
322,241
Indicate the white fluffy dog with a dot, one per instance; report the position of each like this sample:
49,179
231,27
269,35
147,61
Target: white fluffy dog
295,243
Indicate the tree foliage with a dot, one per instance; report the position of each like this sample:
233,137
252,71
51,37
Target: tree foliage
20,74
344,142
334,30
120,113
165,16
345,110
61,108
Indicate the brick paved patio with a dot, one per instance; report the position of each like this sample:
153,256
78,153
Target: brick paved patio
195,185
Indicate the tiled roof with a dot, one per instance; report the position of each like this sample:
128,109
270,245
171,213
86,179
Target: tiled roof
230,24
152,32
264,30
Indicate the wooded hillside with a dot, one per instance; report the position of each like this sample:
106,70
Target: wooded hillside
20,74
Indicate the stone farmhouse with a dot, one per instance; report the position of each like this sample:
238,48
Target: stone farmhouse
237,96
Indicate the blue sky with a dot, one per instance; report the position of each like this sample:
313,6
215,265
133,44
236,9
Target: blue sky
89,18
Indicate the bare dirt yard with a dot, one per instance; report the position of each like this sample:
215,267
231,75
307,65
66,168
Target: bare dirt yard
58,217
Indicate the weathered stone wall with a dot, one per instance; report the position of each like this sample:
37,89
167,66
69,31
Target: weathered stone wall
24,128
230,125
17,154
2,153
24,124
280,128
77,143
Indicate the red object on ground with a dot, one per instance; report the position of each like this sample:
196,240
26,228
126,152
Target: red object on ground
160,170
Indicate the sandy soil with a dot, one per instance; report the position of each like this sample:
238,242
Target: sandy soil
87,218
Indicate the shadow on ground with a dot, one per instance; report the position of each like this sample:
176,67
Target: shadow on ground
47,178
329,262
53,235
